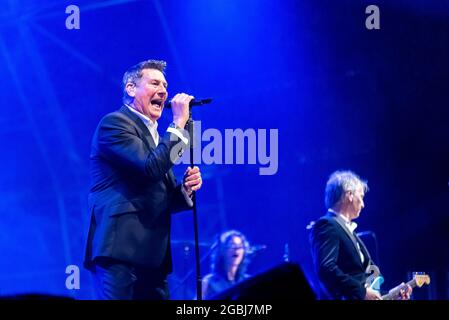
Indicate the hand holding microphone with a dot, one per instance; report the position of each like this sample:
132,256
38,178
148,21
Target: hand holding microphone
180,108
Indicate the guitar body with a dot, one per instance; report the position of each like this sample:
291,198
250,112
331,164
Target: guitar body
375,280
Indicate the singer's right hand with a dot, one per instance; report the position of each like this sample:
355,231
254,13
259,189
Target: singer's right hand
180,108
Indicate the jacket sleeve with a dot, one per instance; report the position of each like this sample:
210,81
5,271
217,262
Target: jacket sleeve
119,142
325,252
178,201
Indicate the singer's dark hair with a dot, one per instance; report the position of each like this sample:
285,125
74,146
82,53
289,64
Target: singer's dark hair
133,74
218,262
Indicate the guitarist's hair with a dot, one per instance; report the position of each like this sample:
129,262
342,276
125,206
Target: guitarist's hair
339,183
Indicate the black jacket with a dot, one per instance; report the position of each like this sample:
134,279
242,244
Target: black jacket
133,192
337,260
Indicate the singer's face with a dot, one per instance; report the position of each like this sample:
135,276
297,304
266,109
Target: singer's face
151,93
235,251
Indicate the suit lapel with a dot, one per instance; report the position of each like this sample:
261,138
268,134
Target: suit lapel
351,235
142,128
146,136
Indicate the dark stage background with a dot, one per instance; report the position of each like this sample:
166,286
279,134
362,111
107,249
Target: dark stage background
341,97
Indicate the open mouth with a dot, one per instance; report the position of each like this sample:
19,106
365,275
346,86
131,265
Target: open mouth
157,103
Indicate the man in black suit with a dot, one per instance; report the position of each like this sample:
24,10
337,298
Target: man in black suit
133,190
340,257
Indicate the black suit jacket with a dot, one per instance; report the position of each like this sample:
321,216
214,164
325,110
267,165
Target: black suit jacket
133,192
336,258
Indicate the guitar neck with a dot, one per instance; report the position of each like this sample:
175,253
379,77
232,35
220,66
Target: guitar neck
395,293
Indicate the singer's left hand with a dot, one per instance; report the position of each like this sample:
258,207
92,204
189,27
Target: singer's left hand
192,180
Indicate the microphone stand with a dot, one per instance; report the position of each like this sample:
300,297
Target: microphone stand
199,281
188,274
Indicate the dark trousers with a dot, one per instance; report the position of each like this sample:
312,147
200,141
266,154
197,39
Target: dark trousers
118,280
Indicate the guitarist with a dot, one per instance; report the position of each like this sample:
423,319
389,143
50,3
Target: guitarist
340,257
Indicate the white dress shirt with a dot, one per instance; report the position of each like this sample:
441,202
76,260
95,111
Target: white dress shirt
152,127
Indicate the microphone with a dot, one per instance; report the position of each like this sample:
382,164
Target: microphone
194,102
256,249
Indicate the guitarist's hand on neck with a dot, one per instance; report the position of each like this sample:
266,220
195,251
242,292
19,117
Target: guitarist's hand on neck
404,293
372,294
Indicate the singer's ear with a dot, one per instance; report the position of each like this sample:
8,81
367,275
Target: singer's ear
130,89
